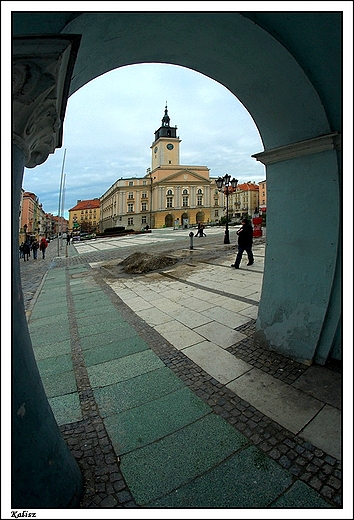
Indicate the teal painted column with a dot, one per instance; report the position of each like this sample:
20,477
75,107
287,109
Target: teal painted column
300,307
44,472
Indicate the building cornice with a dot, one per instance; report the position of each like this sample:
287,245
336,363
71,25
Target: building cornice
300,149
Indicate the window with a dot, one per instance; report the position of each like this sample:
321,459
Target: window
130,221
130,208
143,206
143,219
130,195
216,212
144,195
200,200
185,192
169,203
82,212
185,200
200,192
169,192
144,183
130,183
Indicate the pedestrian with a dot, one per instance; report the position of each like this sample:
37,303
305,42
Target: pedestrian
200,231
43,246
21,251
26,250
245,241
35,246
68,237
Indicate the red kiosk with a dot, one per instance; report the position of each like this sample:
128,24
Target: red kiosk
257,226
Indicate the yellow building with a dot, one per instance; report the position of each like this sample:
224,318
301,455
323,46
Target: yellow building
85,216
169,195
263,196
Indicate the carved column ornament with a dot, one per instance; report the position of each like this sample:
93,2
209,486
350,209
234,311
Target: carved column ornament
42,69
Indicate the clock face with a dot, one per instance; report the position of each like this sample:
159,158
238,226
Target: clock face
170,146
155,149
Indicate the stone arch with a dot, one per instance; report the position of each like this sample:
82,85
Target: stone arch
285,69
200,216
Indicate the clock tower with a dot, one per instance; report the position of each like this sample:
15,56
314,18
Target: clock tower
165,148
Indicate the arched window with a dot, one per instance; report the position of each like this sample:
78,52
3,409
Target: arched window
200,192
185,192
169,192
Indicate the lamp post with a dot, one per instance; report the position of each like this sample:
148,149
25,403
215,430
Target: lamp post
225,185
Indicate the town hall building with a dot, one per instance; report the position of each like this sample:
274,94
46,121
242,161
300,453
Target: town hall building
169,195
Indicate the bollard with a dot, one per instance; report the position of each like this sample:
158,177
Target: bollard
191,235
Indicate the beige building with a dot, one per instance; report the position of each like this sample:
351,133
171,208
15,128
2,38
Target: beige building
85,216
245,200
169,195
263,197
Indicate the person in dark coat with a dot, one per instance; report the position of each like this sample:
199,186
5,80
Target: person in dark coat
245,241
35,246
26,250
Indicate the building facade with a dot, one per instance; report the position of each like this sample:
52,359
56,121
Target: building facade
246,199
168,195
32,217
263,196
85,216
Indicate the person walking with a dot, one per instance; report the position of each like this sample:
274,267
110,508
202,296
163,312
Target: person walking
35,246
245,241
43,246
26,250
68,237
21,251
200,231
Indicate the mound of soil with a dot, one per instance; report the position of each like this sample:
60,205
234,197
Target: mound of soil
138,263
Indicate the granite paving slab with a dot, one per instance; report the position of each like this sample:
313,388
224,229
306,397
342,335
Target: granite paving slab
142,425
281,402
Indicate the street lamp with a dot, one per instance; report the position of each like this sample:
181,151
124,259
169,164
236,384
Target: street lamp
226,186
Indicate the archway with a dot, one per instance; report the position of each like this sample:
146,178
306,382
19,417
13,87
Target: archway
285,70
200,216
169,220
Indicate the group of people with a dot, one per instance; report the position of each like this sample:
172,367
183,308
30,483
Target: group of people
33,245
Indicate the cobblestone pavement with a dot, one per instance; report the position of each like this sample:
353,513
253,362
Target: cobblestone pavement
91,446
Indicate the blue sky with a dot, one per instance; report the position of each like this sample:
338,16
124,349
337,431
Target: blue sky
110,124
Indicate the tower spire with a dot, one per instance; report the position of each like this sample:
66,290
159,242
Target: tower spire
166,119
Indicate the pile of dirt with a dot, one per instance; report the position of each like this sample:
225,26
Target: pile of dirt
138,263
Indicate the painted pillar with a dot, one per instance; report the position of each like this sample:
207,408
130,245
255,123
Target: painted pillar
44,472
300,309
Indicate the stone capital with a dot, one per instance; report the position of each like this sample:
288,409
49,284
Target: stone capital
42,69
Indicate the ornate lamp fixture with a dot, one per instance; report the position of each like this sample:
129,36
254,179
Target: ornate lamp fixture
226,186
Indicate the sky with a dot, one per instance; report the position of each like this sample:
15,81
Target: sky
110,123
